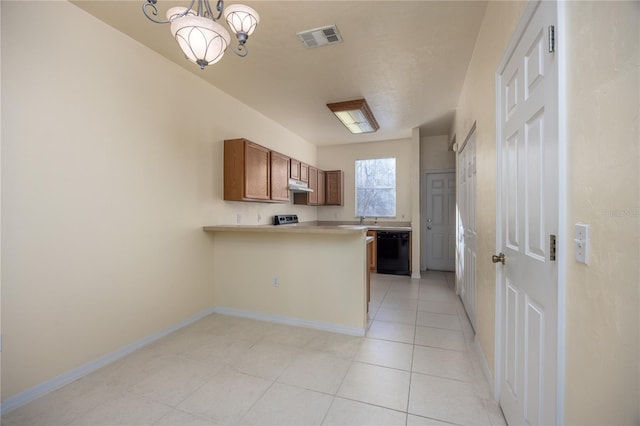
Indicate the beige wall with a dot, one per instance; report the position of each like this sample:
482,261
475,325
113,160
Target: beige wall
106,183
602,324
603,102
309,289
435,154
343,157
477,104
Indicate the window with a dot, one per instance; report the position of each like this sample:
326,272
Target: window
376,187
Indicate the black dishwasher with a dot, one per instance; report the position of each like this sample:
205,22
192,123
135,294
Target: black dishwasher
392,249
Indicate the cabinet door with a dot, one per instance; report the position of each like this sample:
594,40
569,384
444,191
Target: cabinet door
335,188
374,254
295,169
279,177
321,187
234,169
313,184
257,183
304,172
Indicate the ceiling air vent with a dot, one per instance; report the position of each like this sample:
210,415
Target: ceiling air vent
320,36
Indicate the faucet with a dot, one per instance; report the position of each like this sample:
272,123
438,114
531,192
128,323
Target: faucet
361,220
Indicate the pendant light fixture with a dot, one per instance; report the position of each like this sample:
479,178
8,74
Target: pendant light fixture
196,30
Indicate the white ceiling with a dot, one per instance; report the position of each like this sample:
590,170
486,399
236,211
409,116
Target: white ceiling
407,58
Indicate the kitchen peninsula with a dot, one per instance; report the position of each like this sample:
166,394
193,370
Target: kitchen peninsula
308,275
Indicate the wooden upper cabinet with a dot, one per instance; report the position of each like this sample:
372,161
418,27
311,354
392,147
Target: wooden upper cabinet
255,173
246,171
317,184
280,169
313,184
295,169
321,187
304,172
334,188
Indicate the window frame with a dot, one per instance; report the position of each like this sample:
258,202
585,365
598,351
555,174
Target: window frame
394,188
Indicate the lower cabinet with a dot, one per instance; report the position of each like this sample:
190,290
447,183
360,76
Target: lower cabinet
369,255
372,251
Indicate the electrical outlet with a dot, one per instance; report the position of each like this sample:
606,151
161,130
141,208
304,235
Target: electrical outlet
238,218
276,281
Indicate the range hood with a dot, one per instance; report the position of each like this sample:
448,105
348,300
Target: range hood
299,186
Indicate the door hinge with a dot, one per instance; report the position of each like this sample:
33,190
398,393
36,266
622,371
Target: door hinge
552,247
552,39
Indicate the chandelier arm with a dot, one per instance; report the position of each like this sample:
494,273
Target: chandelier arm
241,50
209,11
151,4
219,8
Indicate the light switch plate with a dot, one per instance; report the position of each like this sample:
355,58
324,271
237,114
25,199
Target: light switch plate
582,243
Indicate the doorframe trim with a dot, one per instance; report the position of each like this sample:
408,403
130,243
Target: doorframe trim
563,236
469,133
563,195
423,216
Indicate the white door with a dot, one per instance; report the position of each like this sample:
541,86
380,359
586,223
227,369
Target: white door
441,221
467,226
527,111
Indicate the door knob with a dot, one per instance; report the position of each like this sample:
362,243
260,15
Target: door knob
428,226
498,258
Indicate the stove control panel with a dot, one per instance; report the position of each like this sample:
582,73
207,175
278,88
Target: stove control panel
285,219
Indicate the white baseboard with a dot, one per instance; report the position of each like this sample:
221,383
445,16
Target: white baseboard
299,322
485,366
70,376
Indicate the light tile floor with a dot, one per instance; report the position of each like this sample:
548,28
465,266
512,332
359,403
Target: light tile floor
415,366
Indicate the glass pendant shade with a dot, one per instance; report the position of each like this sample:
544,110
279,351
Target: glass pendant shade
197,31
202,40
241,19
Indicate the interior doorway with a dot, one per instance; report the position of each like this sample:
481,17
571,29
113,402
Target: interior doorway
466,218
527,278
440,221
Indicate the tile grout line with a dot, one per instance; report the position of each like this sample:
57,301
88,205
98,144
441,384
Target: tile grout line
413,354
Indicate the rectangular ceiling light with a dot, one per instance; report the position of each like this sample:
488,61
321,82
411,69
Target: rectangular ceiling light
355,115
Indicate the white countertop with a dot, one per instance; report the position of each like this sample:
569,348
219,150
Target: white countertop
306,228
298,228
